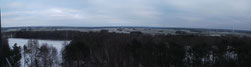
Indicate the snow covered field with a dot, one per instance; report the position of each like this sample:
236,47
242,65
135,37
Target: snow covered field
58,44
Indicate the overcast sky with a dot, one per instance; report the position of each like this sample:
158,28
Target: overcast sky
223,14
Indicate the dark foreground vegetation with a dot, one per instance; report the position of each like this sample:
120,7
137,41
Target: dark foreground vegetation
103,49
124,50
13,54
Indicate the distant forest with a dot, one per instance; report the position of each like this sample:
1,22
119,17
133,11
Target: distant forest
104,49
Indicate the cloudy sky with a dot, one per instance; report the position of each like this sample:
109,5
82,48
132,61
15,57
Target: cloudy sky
223,14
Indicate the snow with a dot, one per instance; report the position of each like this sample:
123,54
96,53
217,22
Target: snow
58,44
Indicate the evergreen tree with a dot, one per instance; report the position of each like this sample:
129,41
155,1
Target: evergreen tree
16,55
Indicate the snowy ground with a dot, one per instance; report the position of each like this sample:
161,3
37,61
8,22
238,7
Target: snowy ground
55,43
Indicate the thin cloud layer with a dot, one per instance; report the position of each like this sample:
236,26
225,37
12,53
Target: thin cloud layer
223,14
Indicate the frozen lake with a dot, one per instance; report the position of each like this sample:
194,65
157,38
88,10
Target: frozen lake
21,42
58,44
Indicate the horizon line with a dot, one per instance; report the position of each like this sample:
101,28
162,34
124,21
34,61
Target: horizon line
130,27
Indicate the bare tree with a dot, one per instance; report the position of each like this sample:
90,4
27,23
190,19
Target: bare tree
33,46
48,56
53,57
44,55
25,52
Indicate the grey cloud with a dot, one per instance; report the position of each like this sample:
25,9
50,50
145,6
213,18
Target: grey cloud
164,13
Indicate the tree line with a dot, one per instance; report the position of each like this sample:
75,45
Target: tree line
141,50
104,49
